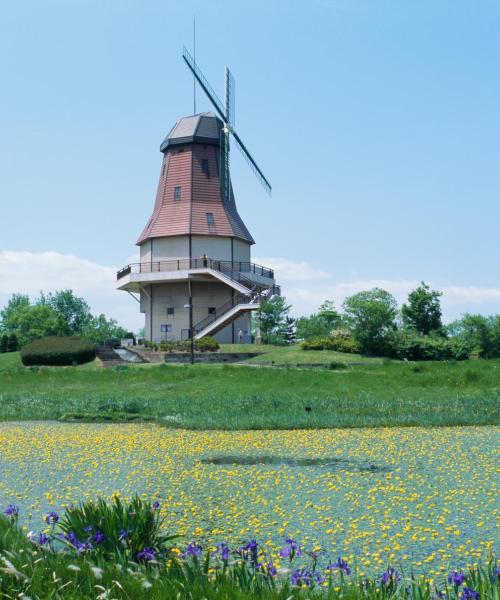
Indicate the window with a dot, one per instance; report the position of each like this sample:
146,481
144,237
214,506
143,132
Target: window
167,328
163,169
211,310
181,150
177,193
204,167
170,310
210,219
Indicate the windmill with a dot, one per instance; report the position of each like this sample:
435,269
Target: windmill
226,113
195,277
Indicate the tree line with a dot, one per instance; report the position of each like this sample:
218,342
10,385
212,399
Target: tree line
55,314
370,322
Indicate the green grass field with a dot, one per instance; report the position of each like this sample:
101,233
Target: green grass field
243,397
294,355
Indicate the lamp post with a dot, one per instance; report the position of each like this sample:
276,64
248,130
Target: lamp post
191,332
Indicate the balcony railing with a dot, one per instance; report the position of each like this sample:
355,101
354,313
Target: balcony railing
226,267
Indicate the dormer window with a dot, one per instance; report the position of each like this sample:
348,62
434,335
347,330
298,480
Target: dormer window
204,167
210,219
177,193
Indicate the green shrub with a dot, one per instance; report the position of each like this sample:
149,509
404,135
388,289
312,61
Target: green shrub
480,332
9,343
336,364
206,344
337,343
407,345
12,343
58,351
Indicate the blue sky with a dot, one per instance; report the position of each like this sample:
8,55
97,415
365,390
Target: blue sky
375,121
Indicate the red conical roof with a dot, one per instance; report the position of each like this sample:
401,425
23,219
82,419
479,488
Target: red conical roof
189,189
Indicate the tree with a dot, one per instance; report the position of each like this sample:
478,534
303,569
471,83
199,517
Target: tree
320,324
330,314
313,326
423,311
100,329
288,331
12,343
4,342
33,321
74,311
271,319
371,316
60,313
8,315
481,333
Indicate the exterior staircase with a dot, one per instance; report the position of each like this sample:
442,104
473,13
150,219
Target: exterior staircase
231,310
109,357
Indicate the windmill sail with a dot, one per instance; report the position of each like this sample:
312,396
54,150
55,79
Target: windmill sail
253,165
227,115
202,80
229,97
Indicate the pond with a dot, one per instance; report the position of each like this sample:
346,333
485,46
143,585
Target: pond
428,497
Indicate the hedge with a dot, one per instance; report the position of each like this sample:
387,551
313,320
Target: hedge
206,344
339,344
58,351
405,345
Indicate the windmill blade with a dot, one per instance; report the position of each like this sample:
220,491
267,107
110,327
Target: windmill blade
229,97
224,164
202,80
260,175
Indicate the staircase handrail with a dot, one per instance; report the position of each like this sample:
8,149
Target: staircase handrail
223,309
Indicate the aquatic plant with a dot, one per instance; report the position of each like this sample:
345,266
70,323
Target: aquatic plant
53,565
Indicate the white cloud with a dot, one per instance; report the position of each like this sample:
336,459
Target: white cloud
304,286
32,272
289,270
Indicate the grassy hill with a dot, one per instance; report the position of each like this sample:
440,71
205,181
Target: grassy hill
377,393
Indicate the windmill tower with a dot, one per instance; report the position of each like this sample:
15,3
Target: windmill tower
195,276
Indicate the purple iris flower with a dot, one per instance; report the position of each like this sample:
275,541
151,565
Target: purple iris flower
147,554
389,577
251,551
123,534
99,537
340,565
42,539
192,550
457,578
224,550
469,594
88,529
291,549
51,518
156,505
11,511
301,577
71,538
271,569
82,547
495,575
